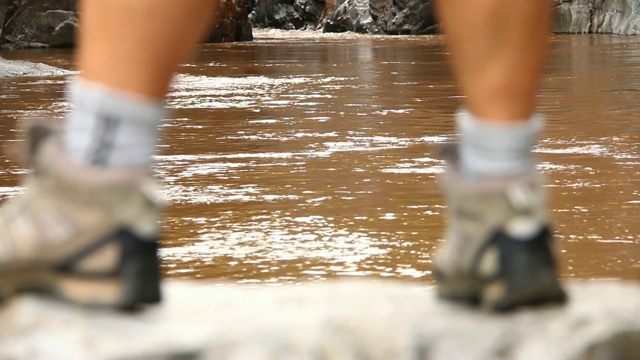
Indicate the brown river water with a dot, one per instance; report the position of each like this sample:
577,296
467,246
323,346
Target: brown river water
303,156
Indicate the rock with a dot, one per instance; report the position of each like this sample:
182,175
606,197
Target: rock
330,7
53,23
38,23
597,16
617,17
4,12
362,16
572,17
287,14
352,15
404,17
335,320
413,17
309,10
15,68
232,22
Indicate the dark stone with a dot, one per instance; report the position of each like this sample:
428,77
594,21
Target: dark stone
414,17
232,22
352,15
309,10
410,17
38,23
362,16
330,8
287,14
45,23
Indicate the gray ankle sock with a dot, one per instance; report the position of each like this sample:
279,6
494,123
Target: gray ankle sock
109,127
488,149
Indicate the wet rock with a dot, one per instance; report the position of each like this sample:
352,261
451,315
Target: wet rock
287,14
404,17
597,16
417,16
38,23
330,7
572,17
352,15
335,320
309,10
45,23
362,16
232,22
4,13
16,68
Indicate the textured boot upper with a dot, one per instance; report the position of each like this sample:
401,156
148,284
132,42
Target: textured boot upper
66,207
479,208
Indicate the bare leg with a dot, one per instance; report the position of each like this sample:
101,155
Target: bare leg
136,46
128,53
498,50
498,251
87,229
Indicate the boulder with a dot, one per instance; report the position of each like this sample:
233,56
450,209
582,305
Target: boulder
232,22
417,16
5,8
287,14
597,16
402,17
53,23
16,68
405,17
38,23
363,319
330,7
362,16
352,15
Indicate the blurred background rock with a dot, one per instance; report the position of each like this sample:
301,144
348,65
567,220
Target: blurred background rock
52,23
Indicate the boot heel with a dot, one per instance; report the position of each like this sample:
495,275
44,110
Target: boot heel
139,271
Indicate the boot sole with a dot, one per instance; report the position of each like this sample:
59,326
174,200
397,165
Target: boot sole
527,276
136,283
496,297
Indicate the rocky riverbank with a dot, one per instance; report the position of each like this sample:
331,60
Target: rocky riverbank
417,16
43,23
53,23
403,17
361,319
597,16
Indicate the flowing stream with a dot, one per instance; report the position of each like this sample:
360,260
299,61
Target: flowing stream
302,156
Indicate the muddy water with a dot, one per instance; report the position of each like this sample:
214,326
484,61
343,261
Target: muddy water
306,157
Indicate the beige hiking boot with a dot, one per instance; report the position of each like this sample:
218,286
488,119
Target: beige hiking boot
498,250
87,235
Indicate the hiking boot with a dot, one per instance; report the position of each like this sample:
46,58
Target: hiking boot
83,234
498,250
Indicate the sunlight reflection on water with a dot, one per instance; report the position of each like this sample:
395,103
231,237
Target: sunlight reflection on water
306,156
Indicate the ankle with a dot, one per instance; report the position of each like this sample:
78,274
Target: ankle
491,149
108,127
